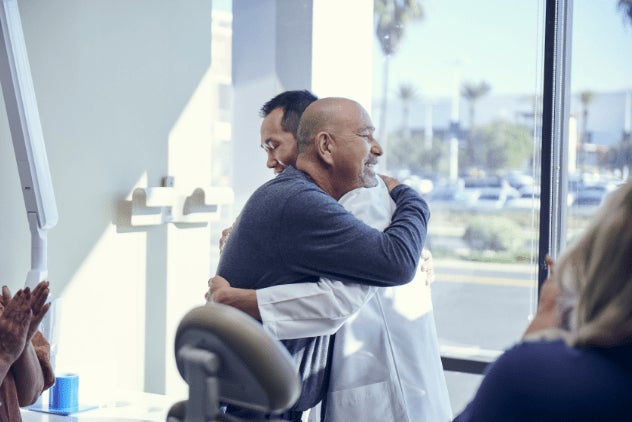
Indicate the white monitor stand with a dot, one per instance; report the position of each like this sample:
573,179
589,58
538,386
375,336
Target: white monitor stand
28,143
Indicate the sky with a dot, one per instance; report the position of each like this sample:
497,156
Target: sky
500,41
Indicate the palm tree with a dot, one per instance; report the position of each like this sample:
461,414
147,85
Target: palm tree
626,8
391,17
586,98
472,92
407,93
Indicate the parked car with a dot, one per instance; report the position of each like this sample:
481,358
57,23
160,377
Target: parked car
452,197
519,180
492,192
593,195
528,199
492,199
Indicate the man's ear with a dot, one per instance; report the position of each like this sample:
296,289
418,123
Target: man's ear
324,143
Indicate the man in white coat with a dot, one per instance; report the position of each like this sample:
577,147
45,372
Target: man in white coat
385,360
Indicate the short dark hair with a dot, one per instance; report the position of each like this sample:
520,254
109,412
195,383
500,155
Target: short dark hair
293,104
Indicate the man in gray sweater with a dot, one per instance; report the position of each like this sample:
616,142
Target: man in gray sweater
292,229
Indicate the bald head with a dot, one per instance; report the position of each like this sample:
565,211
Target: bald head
327,114
336,146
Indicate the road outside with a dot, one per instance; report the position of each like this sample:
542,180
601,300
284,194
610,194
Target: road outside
480,309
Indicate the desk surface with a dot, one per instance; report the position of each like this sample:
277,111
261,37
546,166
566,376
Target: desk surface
122,407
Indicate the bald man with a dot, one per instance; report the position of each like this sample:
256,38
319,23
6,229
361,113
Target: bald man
293,229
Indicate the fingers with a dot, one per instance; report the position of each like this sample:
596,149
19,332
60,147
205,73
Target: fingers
18,310
6,295
209,295
39,297
23,312
427,266
39,307
36,320
14,324
390,182
550,263
224,238
41,287
217,285
217,282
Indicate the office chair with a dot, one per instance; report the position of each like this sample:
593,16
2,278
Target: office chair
225,356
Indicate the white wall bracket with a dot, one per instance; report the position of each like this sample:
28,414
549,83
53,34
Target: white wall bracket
152,206
160,205
203,204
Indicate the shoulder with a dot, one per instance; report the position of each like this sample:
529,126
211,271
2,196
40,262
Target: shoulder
285,188
290,182
294,198
508,384
532,354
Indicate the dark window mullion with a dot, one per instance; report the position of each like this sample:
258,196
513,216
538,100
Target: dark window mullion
555,114
554,174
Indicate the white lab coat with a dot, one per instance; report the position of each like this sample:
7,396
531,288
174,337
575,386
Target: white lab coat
386,364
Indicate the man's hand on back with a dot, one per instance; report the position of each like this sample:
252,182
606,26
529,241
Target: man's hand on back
390,182
224,238
220,291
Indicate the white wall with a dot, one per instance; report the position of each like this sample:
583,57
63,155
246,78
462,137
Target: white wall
124,99
281,45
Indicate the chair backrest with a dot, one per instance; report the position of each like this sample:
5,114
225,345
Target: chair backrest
255,371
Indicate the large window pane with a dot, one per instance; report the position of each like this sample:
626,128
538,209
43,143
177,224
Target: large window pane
461,127
457,101
600,143
461,123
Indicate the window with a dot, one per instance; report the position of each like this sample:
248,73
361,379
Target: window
462,124
599,138
511,118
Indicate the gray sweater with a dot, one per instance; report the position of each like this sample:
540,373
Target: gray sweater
291,231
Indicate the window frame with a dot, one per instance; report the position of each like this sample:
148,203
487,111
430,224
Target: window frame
554,155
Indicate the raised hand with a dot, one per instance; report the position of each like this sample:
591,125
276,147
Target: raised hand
39,307
548,315
14,323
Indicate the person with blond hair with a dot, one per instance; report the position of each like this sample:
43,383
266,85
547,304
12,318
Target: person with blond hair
575,362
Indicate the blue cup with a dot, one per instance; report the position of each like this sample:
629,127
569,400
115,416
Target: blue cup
64,394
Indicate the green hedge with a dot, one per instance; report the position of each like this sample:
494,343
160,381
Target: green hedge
494,233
